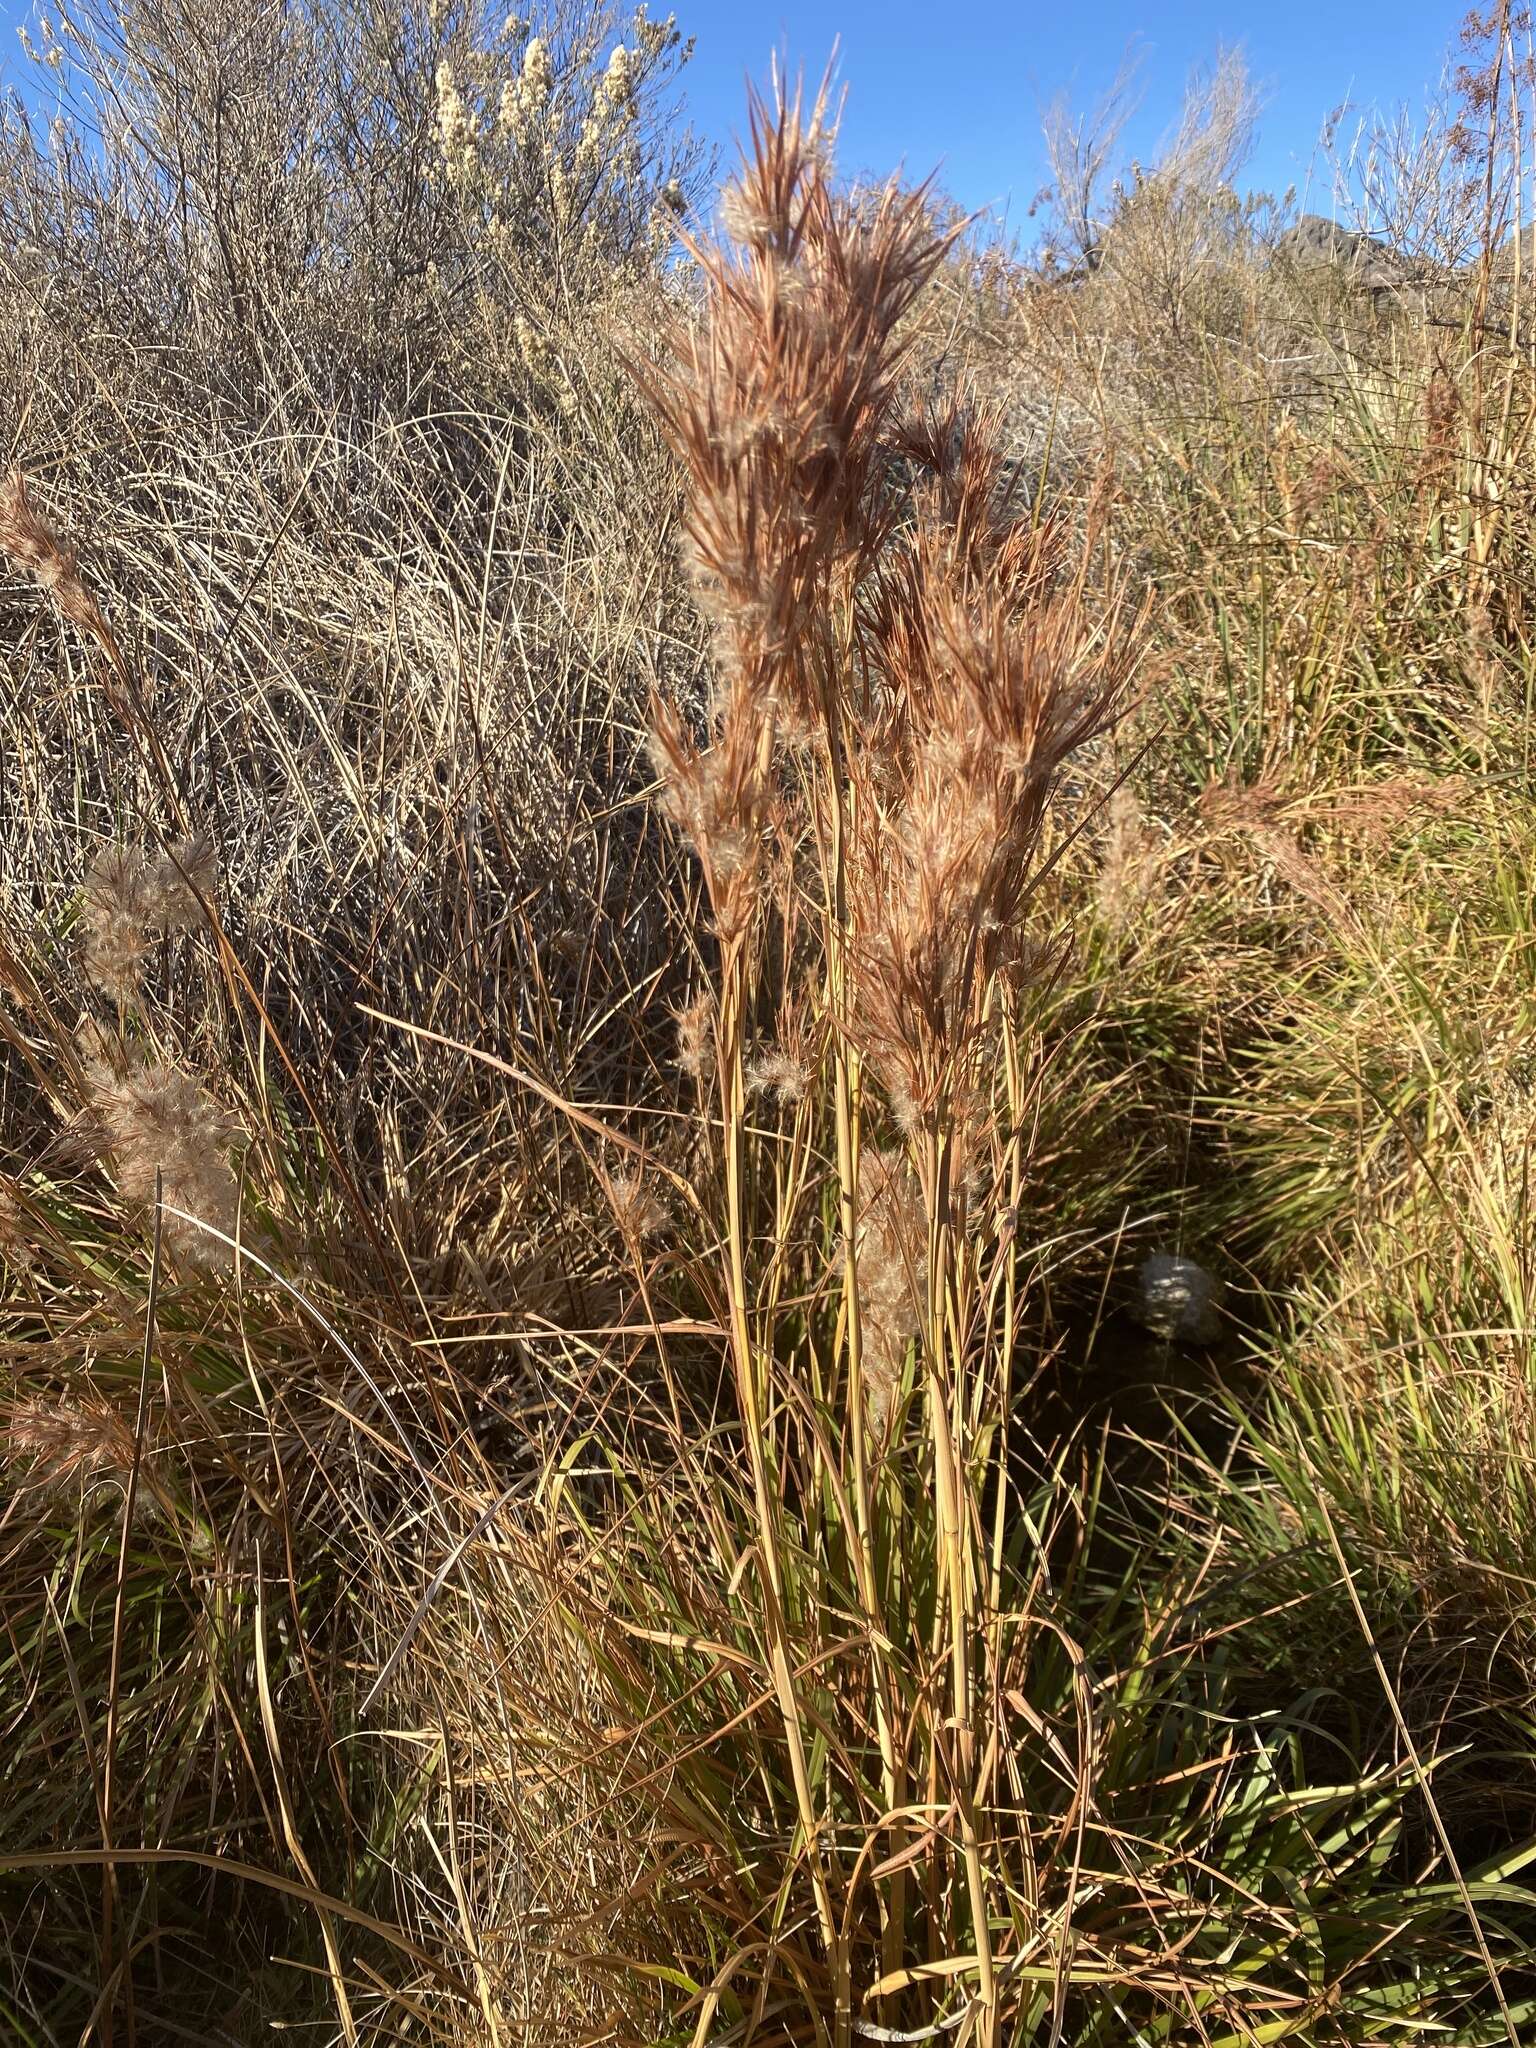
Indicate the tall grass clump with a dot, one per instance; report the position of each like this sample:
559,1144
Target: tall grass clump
333,404
931,676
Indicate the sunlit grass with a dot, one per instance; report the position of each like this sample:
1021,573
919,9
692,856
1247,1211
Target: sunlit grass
630,894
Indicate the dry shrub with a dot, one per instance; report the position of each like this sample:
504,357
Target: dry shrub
394,591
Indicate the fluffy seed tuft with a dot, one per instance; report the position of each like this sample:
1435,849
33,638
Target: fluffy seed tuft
695,1038
157,1119
74,1441
893,1233
115,915
638,1210
780,1074
128,898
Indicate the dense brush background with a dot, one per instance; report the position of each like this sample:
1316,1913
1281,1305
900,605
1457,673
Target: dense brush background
377,1649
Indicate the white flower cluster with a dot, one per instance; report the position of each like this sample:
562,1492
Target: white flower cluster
613,109
525,98
617,87
654,38
457,128
555,165
52,52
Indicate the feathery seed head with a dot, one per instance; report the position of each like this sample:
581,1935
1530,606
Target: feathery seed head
778,406
76,1440
99,1055
1133,862
989,675
126,898
695,1038
638,1210
892,1255
779,1073
183,874
155,1119
15,1230
34,549
745,220
28,541
116,917
718,796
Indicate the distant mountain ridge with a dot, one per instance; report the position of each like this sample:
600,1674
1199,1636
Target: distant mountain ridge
1376,264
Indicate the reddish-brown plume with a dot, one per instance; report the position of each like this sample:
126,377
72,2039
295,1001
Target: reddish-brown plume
32,547
71,1441
779,405
987,671
780,401
892,1265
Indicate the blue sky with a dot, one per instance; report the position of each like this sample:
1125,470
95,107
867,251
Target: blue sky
961,85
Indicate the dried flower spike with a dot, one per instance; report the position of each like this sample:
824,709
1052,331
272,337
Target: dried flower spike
157,1120
70,1441
34,549
116,917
